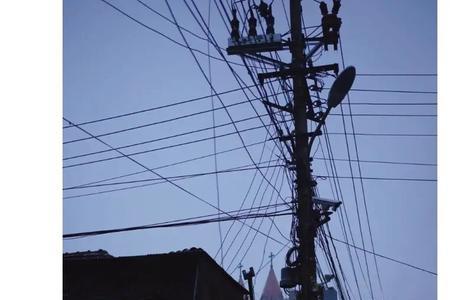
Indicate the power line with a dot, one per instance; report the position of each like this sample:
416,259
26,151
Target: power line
256,196
259,226
239,212
384,115
210,36
275,255
323,243
154,168
391,103
391,91
166,106
381,162
397,74
239,103
229,170
178,224
162,34
174,163
171,22
152,123
339,195
184,176
160,148
386,134
247,194
338,261
159,139
385,257
361,181
216,177
162,177
355,192
212,87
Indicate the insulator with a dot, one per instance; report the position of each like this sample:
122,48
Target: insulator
336,6
234,26
263,9
270,21
323,8
270,25
252,25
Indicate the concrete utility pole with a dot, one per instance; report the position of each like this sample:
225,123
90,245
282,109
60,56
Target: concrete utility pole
310,212
306,230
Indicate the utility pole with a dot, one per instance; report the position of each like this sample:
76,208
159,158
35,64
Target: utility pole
310,212
249,277
306,230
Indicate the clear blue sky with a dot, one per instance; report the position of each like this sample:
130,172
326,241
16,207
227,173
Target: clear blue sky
113,65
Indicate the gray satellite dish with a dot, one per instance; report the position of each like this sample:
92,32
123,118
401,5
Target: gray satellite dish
341,86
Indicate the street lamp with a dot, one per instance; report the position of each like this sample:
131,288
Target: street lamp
341,86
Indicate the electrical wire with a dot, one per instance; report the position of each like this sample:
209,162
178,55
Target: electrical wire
155,173
253,222
171,22
355,196
386,134
384,115
160,148
206,97
361,180
152,123
339,194
397,74
386,257
212,87
178,224
210,36
162,34
248,193
199,24
183,134
162,167
380,162
214,140
184,176
241,227
389,91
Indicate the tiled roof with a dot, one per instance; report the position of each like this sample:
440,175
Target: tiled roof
99,254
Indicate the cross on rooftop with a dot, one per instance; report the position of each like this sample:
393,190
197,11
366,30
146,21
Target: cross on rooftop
271,256
240,268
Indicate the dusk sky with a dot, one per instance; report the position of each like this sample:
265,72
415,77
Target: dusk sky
116,62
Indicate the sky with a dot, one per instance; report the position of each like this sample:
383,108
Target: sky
116,64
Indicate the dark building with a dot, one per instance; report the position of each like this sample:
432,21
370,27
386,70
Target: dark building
189,274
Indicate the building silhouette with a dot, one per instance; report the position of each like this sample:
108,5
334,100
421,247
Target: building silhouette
188,274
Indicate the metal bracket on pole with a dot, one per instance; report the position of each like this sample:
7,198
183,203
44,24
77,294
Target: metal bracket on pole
284,73
286,108
259,57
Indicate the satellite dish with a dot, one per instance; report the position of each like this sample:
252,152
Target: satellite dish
341,86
